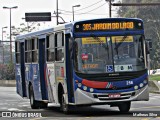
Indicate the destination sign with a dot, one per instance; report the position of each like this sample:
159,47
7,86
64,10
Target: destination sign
107,26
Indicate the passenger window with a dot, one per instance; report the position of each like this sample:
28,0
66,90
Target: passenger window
17,45
34,50
50,48
28,51
59,46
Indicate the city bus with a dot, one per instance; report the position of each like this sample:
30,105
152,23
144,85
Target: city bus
88,62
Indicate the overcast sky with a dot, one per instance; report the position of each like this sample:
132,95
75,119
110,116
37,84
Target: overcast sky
88,9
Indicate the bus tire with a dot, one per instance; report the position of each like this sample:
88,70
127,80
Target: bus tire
124,107
64,107
33,102
43,104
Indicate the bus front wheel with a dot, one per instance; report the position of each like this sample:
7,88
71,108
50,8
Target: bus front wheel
124,107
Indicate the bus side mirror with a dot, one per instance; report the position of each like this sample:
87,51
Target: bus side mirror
148,46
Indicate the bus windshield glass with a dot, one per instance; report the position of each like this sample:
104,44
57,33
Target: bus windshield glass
109,54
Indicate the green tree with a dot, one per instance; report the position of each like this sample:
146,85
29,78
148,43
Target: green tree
7,71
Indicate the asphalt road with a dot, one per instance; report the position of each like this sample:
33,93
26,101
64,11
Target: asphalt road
13,105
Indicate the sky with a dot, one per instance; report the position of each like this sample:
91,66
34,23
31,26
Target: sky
88,9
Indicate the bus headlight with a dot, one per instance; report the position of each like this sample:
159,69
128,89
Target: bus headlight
84,88
91,89
79,85
141,85
136,87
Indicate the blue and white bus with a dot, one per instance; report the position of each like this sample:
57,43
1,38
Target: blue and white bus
90,62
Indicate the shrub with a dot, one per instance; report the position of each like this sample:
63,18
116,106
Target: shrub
7,71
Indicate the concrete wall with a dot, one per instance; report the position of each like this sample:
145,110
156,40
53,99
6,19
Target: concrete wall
9,83
154,86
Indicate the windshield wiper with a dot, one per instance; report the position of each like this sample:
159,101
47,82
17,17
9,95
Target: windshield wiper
101,42
117,45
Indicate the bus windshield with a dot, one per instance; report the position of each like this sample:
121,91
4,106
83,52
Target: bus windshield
109,54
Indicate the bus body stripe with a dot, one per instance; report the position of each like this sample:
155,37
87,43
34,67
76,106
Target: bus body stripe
94,84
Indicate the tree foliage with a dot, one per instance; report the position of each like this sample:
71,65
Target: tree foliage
151,17
7,71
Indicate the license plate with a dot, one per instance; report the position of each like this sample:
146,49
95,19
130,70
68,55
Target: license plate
114,95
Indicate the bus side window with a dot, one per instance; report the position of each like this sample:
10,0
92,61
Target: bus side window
34,50
50,48
59,46
17,45
28,51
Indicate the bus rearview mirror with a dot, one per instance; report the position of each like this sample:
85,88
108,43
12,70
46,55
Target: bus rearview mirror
148,45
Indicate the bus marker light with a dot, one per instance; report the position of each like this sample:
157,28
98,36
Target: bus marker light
139,24
77,26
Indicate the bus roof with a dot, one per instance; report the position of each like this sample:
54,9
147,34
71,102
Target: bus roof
70,25
44,31
110,19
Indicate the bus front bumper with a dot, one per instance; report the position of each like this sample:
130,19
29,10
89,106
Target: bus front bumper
84,98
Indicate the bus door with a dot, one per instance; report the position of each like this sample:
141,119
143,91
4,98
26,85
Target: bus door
69,69
22,70
42,62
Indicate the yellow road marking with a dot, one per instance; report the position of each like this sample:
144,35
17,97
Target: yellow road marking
145,119
35,118
87,117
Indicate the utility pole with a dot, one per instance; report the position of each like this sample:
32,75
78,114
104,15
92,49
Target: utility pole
73,9
59,17
110,7
10,8
110,15
2,42
57,12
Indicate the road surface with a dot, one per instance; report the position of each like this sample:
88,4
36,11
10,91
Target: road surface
14,105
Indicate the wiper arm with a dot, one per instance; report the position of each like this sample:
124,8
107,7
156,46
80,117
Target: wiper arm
101,42
117,45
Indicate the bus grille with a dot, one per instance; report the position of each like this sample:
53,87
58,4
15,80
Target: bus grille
125,95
